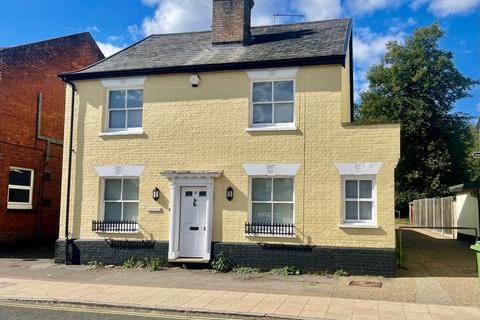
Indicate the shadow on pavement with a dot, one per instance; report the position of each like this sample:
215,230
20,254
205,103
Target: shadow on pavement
433,256
28,250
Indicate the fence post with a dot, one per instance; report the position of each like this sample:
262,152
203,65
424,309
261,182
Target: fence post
443,221
426,212
442,213
410,210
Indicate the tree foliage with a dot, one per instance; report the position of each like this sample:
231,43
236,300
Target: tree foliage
417,83
474,146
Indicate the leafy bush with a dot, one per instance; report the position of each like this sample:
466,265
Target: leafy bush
220,263
154,263
130,263
286,271
240,269
95,264
341,273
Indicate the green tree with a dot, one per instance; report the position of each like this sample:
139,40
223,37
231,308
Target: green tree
475,146
417,83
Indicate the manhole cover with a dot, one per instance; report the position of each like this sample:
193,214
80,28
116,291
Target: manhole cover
370,284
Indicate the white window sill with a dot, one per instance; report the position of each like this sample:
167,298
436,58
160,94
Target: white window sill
273,128
118,232
359,226
19,206
252,235
134,132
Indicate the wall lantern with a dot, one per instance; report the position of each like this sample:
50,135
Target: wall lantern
229,193
156,194
194,80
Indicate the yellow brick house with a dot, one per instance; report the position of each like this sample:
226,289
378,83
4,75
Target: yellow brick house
239,140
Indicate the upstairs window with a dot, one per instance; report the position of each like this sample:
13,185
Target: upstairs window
20,188
124,109
273,103
272,200
120,200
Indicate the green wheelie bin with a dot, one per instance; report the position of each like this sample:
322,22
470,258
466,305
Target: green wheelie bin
476,247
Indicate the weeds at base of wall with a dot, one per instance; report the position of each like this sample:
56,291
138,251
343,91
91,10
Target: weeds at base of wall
341,273
221,264
241,269
153,264
95,264
287,271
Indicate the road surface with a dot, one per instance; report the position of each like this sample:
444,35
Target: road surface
17,311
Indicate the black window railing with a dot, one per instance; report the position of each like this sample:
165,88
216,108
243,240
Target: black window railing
271,229
114,226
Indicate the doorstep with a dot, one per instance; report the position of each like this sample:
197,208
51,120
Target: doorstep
189,260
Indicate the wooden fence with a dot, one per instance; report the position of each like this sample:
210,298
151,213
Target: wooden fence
433,212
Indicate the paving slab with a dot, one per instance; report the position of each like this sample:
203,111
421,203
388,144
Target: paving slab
228,302
269,304
465,313
340,309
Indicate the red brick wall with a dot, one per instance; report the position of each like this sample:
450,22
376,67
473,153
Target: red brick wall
24,72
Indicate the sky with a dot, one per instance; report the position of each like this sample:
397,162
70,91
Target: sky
116,24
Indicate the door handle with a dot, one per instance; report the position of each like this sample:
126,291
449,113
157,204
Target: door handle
194,228
194,202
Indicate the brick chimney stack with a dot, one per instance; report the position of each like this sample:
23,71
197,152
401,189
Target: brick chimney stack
231,21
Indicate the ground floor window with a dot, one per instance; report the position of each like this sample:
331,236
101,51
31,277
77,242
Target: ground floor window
272,200
120,199
358,200
20,188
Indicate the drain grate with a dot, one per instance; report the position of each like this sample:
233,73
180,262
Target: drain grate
369,284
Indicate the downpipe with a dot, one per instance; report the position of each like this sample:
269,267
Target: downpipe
69,171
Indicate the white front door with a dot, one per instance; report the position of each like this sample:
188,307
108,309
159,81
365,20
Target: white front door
193,222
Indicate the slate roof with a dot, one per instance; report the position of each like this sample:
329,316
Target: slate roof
310,43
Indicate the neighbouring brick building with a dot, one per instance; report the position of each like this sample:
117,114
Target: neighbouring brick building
32,104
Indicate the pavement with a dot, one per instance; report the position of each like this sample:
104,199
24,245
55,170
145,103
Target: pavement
231,303
438,282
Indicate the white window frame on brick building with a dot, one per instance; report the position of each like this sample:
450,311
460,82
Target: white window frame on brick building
126,109
127,86
272,77
23,187
272,172
123,199
120,173
358,199
356,172
273,200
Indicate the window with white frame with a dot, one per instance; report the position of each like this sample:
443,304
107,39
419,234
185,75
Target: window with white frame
273,103
358,200
125,108
120,199
272,200
20,188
